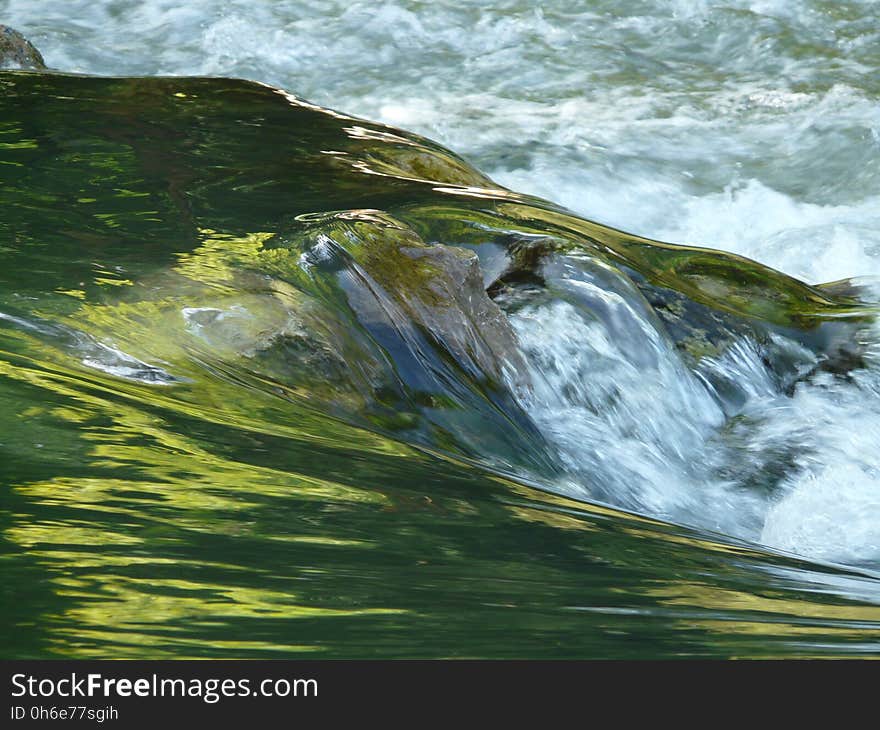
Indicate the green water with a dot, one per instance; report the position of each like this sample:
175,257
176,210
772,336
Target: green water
184,500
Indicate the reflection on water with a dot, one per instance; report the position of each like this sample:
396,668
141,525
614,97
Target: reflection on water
275,492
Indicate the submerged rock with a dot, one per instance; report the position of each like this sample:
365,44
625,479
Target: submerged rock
17,52
398,332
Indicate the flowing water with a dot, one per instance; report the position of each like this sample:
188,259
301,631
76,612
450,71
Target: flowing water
254,401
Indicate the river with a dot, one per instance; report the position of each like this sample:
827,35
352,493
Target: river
174,487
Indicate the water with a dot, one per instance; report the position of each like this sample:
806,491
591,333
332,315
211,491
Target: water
194,467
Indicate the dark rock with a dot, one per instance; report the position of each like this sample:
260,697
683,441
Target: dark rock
397,333
17,52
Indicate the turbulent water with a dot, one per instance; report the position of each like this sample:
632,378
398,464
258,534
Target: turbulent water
256,402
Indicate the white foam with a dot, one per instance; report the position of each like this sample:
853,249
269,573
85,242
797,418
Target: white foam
814,242
798,473
832,514
629,432
829,506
